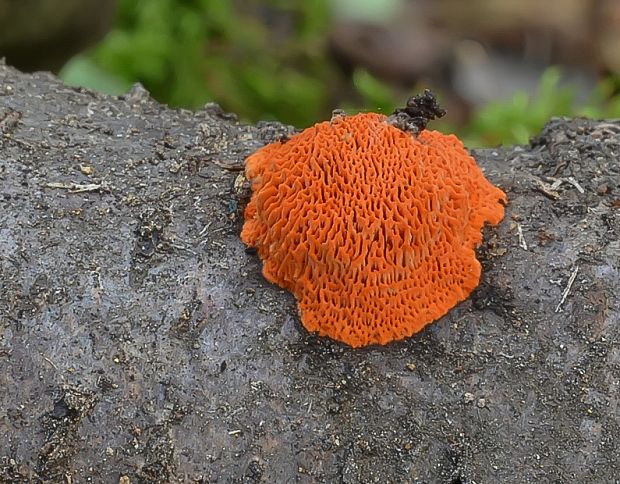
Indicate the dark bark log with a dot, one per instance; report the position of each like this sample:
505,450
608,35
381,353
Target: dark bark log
138,339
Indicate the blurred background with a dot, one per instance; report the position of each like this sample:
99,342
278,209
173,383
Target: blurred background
502,68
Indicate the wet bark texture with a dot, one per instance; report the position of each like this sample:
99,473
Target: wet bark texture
139,342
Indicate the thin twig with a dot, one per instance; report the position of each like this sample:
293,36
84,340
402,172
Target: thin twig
522,242
77,188
557,183
567,289
576,184
545,189
49,361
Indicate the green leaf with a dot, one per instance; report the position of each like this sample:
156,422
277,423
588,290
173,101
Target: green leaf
82,71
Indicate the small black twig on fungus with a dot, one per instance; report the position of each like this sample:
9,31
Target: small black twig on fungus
420,109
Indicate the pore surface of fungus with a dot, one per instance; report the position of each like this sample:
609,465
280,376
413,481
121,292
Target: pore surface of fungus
372,228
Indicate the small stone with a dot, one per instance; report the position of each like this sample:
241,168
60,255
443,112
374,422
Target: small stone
482,403
87,169
603,189
468,397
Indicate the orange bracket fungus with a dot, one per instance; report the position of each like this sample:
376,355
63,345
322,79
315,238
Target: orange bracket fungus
371,222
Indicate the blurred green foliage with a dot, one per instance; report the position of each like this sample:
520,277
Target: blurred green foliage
264,59
188,52
516,120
